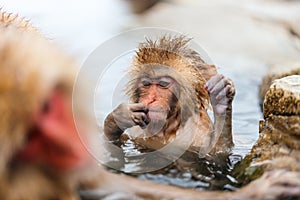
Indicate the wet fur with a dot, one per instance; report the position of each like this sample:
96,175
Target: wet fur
171,56
30,69
24,87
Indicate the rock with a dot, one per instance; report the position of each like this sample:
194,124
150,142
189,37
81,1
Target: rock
283,97
278,146
276,72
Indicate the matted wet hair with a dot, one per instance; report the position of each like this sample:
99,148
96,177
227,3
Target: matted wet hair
173,53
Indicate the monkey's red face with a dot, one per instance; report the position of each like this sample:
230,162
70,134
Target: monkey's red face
157,95
53,140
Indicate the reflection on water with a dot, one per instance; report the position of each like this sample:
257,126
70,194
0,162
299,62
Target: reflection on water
189,171
205,173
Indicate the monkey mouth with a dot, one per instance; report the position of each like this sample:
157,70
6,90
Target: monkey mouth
157,108
157,114
158,111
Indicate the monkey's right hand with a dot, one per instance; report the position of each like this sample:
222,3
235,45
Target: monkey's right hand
123,117
129,115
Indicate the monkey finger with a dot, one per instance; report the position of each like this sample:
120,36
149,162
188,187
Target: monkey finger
217,87
140,123
212,81
141,116
141,119
138,107
228,93
231,92
143,125
223,93
228,81
145,118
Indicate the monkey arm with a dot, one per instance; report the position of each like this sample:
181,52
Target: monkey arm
111,129
272,185
123,117
223,132
221,91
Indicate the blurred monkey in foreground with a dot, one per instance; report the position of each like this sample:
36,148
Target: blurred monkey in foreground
42,156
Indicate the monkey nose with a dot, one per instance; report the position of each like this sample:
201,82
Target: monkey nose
151,99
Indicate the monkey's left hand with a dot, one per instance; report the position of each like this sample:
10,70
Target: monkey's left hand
221,91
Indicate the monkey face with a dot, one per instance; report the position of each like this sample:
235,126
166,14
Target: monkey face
156,94
163,91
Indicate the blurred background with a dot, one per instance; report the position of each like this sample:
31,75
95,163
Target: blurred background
243,38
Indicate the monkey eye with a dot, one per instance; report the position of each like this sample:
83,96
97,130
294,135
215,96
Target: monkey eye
146,83
163,84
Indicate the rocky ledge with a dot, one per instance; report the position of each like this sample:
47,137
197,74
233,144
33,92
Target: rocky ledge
278,146
277,72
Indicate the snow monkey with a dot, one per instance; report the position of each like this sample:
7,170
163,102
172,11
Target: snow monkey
171,88
41,156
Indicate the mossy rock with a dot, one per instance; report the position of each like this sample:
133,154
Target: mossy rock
278,146
275,149
277,72
283,97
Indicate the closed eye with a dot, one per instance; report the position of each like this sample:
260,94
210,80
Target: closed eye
146,83
164,84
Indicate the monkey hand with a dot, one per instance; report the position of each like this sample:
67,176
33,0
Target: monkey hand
128,115
221,91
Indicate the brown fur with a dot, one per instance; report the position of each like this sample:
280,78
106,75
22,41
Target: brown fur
171,56
172,52
8,20
30,69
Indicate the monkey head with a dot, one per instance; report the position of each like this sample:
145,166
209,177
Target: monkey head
168,78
